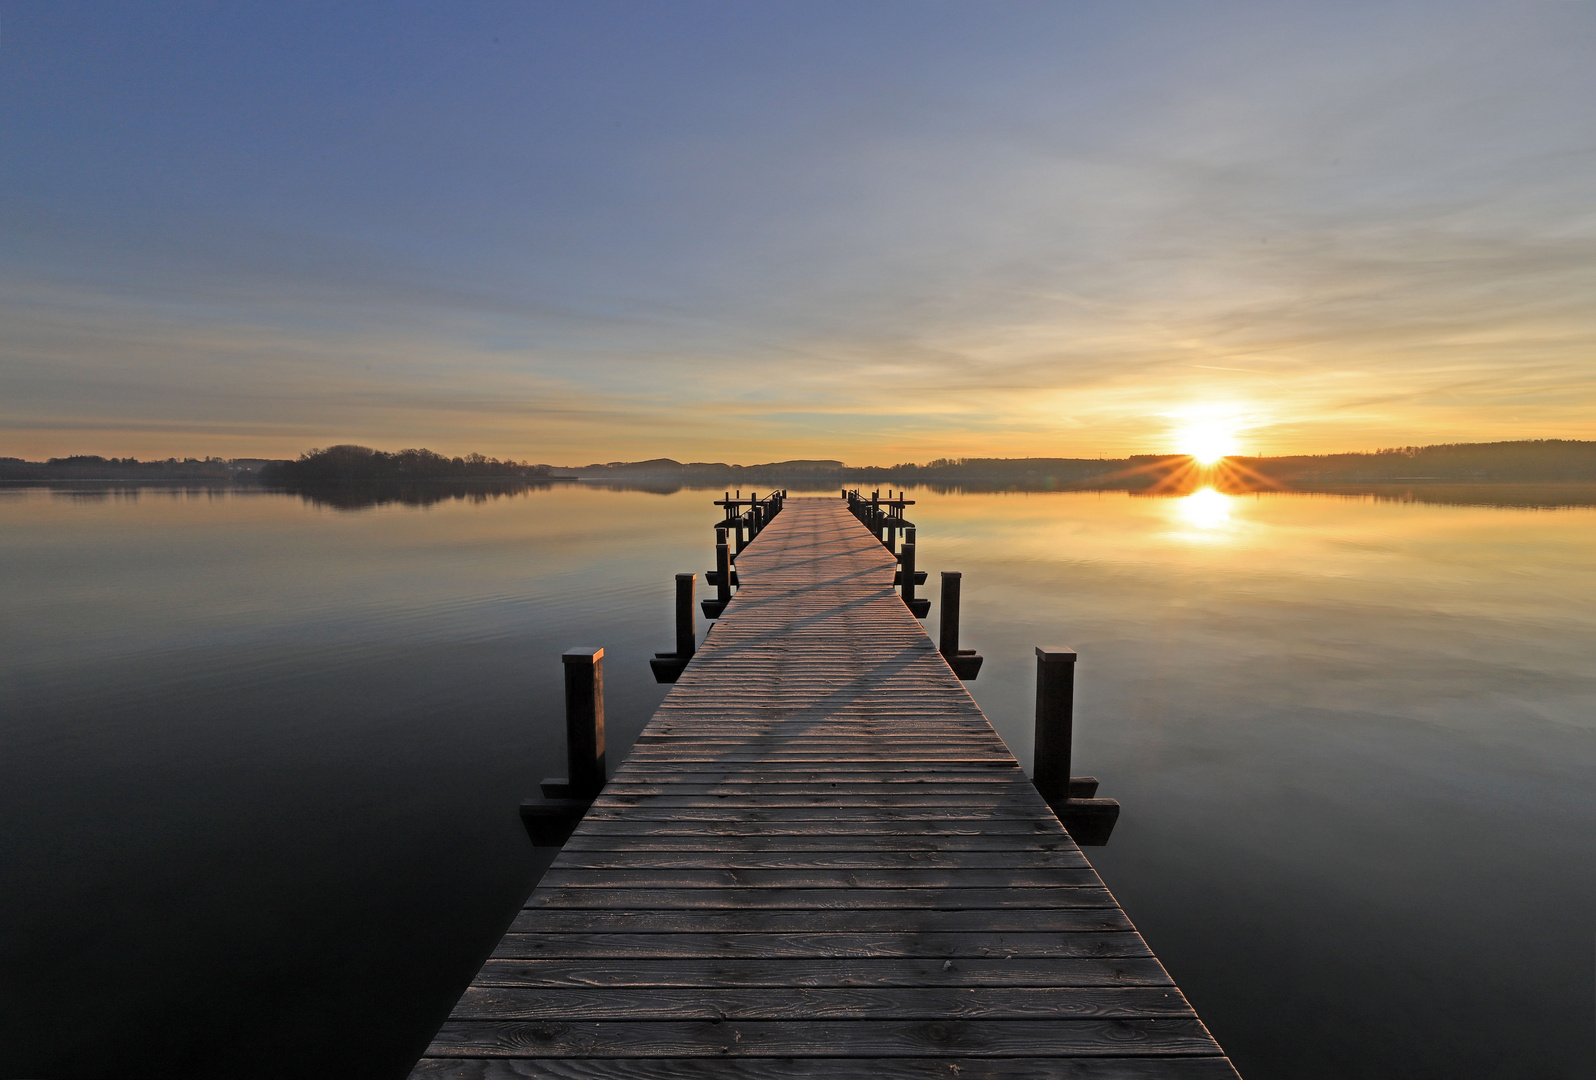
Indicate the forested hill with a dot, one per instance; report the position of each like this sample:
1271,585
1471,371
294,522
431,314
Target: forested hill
1528,461
1531,461
360,464
1537,461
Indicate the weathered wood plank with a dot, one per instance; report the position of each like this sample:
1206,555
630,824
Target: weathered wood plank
858,1068
844,920
778,813
808,877
983,944
935,845
824,1038
830,1003
657,858
881,824
995,898
799,971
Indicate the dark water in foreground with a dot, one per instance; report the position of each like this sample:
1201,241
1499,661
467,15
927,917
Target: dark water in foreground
259,758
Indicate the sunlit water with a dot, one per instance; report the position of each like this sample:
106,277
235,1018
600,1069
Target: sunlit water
261,758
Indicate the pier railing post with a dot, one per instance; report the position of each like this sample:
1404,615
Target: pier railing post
686,620
584,720
1055,721
948,644
1089,820
906,574
723,577
550,820
668,667
966,664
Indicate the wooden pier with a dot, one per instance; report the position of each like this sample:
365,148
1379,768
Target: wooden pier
820,860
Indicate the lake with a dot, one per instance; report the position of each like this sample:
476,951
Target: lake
261,756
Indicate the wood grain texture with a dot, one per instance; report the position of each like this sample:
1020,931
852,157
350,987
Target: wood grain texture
825,1003
820,859
830,946
789,971
859,1068
822,1038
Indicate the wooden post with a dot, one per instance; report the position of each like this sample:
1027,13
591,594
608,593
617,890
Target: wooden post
966,663
722,566
906,575
668,667
1055,721
906,566
686,631
948,646
723,577
584,720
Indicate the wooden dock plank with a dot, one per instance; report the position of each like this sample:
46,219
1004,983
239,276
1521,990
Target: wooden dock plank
824,1038
821,1003
859,1068
820,859
799,971
984,943
855,920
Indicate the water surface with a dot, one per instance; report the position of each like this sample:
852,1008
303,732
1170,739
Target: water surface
261,756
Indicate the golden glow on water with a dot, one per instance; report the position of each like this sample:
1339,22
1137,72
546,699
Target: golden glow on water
1205,509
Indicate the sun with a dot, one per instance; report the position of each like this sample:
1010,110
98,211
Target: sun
1208,440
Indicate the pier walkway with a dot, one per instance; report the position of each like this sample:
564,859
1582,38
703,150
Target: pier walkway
820,860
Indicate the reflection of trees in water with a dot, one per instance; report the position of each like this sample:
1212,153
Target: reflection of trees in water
663,487
129,491
413,493
1524,496
355,496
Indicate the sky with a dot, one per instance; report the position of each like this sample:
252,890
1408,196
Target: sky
878,232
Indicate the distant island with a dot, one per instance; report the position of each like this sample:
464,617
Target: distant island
348,467
362,465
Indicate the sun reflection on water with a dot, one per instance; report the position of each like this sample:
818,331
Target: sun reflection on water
1204,509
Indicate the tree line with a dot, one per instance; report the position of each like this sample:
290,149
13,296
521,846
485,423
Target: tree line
349,464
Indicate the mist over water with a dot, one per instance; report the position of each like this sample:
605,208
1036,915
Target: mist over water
260,756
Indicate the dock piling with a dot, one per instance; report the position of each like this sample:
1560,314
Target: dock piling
723,577
550,820
686,630
1089,820
966,664
667,667
584,720
907,579
1055,721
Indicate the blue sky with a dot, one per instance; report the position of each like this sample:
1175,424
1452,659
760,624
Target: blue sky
878,232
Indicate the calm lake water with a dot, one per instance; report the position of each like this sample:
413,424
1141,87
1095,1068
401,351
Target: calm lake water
260,758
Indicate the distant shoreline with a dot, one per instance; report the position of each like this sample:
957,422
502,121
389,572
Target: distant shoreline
1525,461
